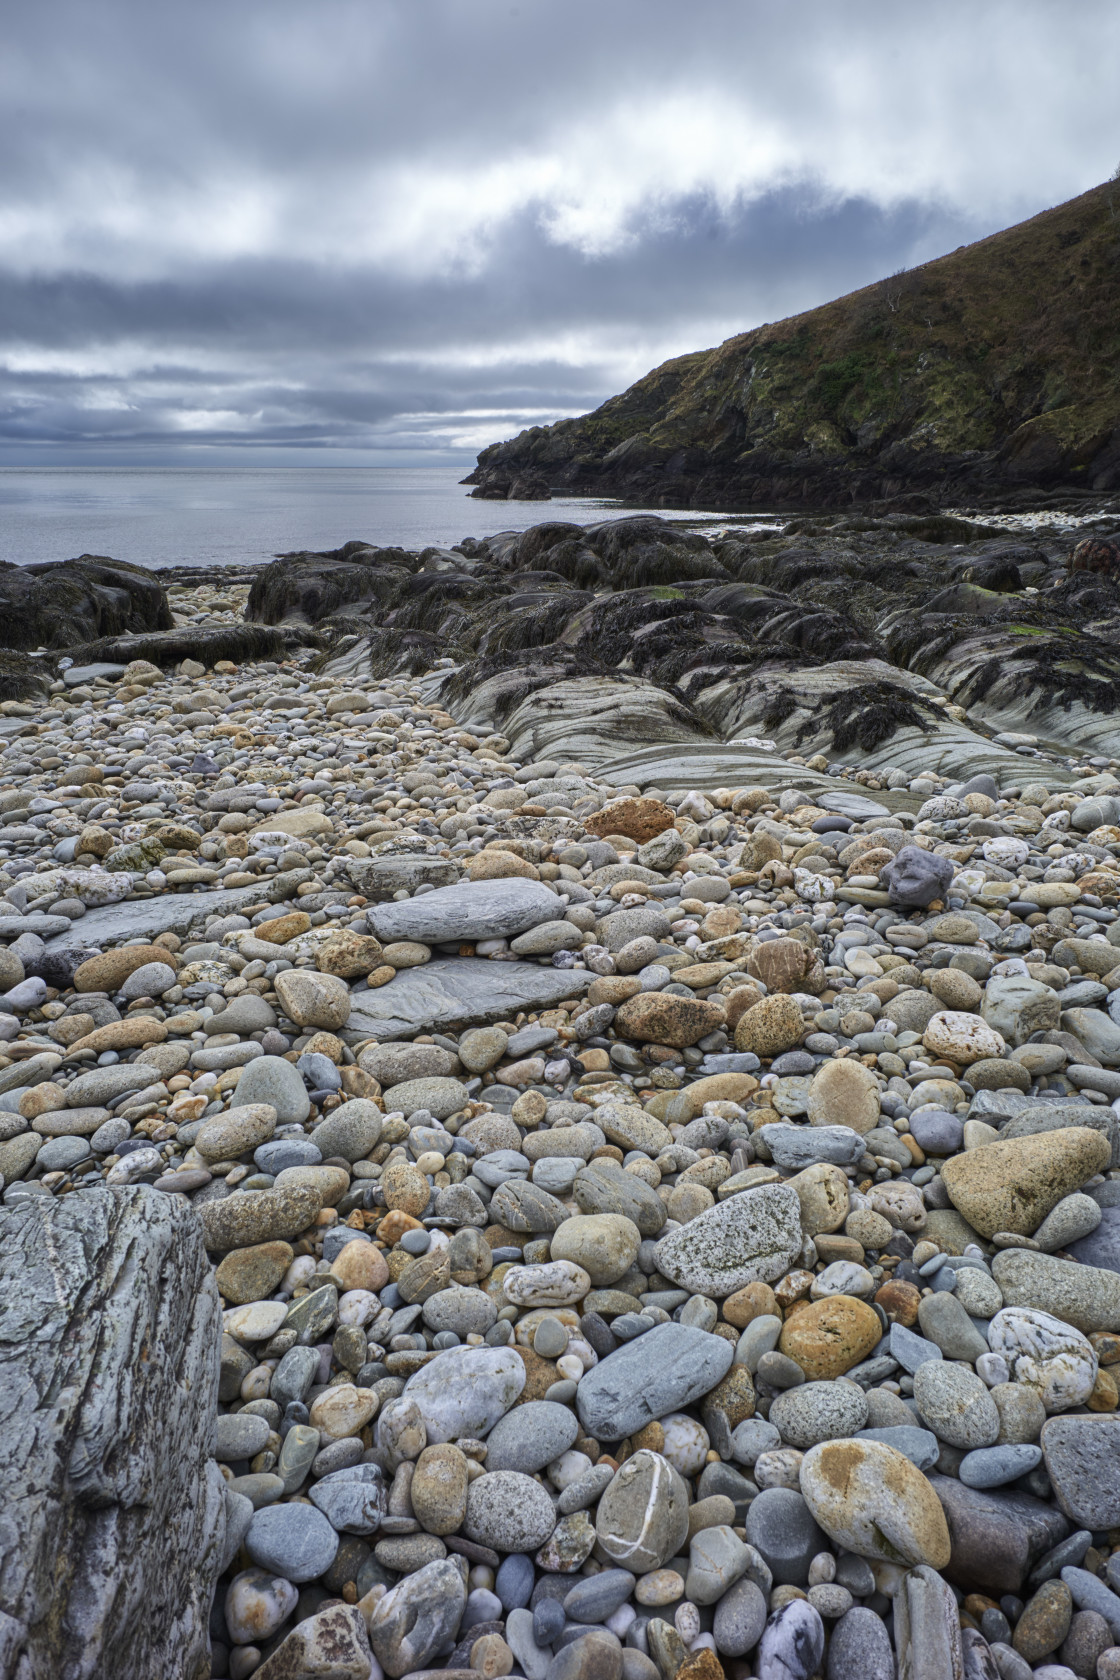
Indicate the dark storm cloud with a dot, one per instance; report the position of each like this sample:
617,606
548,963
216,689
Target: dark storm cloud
426,224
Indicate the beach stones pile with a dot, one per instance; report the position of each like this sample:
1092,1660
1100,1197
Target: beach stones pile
656,1237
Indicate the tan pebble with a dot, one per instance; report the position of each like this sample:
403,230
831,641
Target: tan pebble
342,1411
826,1338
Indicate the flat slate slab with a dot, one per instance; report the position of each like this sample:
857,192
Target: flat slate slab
471,910
145,917
459,992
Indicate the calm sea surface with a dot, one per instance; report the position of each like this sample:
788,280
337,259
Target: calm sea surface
243,516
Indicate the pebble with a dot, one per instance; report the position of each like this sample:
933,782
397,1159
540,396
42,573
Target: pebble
296,1541
871,1500
956,1405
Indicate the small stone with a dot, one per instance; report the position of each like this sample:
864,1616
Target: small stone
1045,1354
995,1466
792,1643
272,1080
463,1392
509,1512
294,1540
531,1436
770,1027
1044,1622
257,1602
819,1411
828,1337
642,1518
956,1405
251,1274
417,1618
752,1237
667,1368
844,1093
872,1501
438,1490
240,1221
313,1000
236,1133
783,1530
603,1245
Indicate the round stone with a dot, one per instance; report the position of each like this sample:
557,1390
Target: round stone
828,1337
781,1526
296,1541
956,1405
844,1093
871,1500
686,1443
531,1436
819,1411
642,1518
604,1245
270,1079
508,1511
257,1602
770,1027
1042,1353
313,1000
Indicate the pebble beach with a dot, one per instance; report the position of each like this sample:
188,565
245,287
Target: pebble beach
657,1232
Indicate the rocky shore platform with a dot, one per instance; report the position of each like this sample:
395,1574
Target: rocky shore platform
560,1111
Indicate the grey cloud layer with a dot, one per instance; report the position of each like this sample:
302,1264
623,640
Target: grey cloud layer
425,224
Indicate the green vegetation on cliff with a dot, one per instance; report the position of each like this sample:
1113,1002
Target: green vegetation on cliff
988,373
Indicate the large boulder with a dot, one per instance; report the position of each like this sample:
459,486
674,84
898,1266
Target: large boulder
114,1510
60,603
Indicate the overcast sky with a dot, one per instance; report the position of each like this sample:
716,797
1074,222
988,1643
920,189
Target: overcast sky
257,230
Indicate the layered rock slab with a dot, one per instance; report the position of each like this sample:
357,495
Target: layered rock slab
110,1326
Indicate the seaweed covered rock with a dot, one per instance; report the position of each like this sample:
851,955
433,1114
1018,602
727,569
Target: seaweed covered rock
59,603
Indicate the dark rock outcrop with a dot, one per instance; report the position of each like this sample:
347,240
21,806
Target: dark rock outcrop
62,603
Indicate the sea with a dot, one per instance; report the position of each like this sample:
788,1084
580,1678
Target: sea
226,516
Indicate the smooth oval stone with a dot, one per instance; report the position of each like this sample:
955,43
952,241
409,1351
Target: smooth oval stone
531,1436
860,1648
642,1518
514,1581
509,1512
792,1643
993,1466
781,1527
296,1541
598,1596
464,1392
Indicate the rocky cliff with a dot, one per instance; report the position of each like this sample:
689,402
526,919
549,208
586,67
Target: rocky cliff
987,374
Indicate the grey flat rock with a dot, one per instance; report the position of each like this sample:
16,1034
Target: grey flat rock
667,1368
472,910
145,917
12,926
799,1146
458,992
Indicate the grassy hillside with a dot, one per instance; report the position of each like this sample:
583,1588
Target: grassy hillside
991,373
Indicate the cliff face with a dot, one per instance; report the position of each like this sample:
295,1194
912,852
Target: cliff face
989,374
